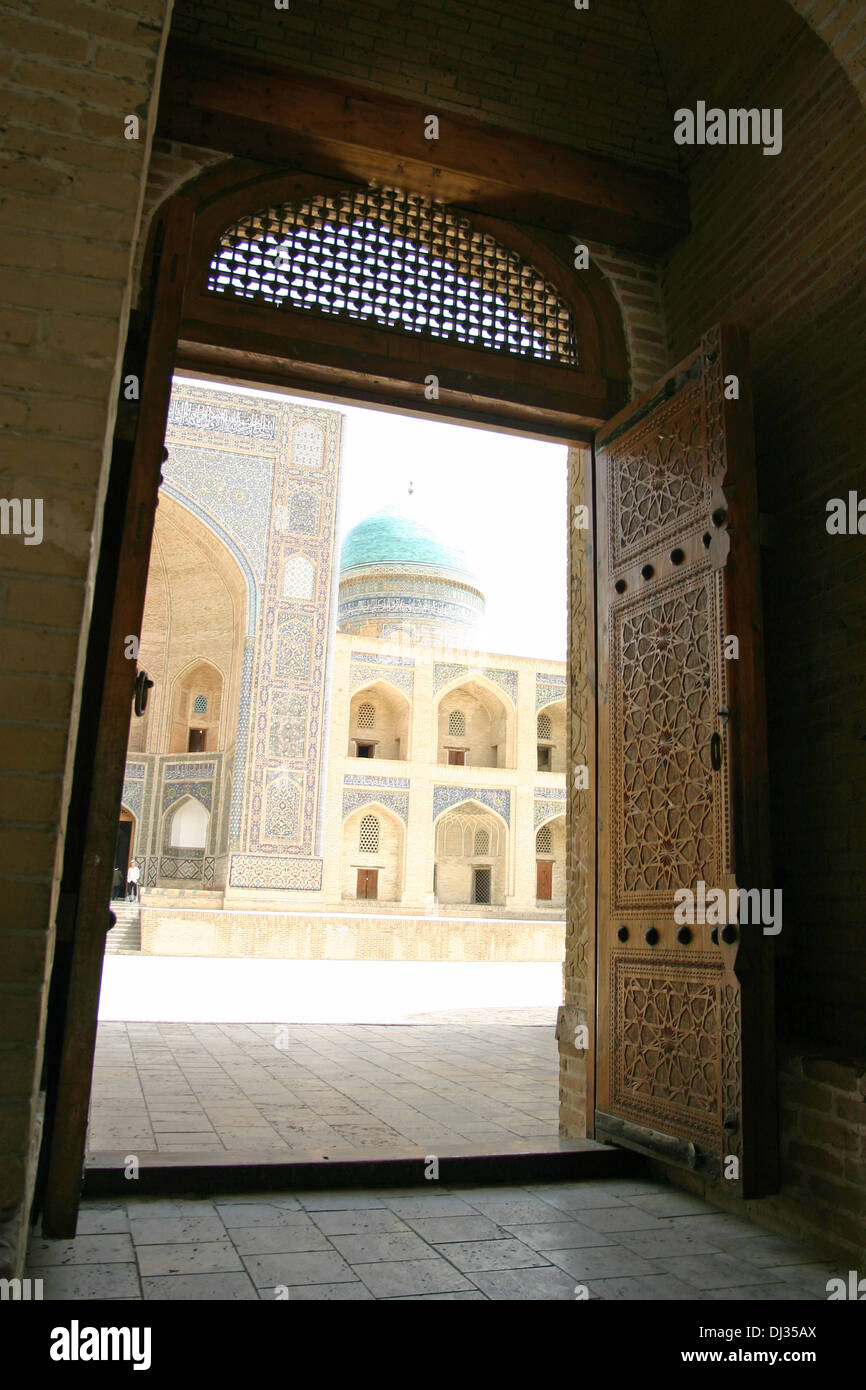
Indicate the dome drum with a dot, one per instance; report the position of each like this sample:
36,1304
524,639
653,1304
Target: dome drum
395,576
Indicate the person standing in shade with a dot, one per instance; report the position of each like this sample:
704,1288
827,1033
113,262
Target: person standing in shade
132,878
117,882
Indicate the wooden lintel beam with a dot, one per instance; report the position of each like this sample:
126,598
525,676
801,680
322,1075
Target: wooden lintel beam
257,111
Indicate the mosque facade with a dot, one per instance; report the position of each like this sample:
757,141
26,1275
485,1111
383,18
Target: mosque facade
328,766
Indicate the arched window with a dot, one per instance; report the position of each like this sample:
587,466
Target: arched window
366,715
199,704
457,724
399,261
482,842
545,727
544,841
368,840
189,825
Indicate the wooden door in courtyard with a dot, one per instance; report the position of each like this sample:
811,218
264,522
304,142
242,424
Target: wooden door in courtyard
368,883
684,1064
544,877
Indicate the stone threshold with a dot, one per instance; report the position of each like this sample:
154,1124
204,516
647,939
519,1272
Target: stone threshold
553,1160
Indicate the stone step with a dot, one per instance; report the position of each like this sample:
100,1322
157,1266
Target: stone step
125,937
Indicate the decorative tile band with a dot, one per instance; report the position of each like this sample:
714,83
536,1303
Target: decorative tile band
373,659
496,798
398,802
548,690
361,675
547,810
183,772
352,779
275,871
443,672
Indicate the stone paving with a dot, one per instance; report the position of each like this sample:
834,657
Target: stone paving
284,1089
614,1239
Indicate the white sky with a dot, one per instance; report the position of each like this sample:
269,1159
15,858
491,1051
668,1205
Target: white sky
498,497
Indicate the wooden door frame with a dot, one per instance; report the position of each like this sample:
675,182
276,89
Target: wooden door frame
512,404
101,741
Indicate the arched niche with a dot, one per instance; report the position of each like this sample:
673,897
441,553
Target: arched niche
379,722
551,738
196,709
550,849
474,725
373,844
186,827
470,842
196,612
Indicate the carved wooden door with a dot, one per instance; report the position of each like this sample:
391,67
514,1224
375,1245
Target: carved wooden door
685,1067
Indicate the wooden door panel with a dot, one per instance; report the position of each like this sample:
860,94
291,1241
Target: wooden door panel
685,1066
544,877
104,728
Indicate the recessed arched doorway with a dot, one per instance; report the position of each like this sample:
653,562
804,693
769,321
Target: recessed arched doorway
222,285
124,851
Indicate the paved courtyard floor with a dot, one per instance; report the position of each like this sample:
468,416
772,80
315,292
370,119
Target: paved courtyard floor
465,1077
608,1239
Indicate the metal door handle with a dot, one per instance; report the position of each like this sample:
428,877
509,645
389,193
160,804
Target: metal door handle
716,752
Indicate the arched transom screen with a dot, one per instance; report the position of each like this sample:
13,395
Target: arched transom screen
396,261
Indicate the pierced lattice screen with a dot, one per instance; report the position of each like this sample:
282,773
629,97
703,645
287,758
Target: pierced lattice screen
399,261
457,724
368,841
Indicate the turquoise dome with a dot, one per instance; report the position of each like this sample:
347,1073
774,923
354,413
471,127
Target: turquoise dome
391,539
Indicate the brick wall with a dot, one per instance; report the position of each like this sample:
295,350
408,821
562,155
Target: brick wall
549,73
777,246
180,931
823,1133
72,187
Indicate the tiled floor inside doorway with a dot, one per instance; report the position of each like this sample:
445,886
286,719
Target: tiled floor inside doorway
608,1239
283,1089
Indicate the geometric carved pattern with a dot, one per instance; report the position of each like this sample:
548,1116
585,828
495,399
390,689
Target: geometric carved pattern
662,719
667,1064
659,481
